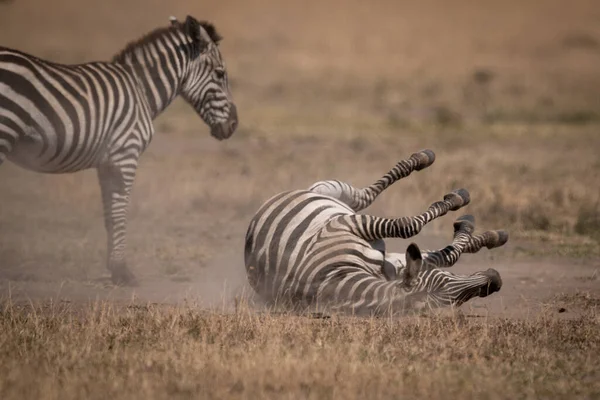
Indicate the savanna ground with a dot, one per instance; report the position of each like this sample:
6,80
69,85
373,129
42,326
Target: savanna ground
506,93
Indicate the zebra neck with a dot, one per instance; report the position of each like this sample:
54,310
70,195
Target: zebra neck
157,90
159,64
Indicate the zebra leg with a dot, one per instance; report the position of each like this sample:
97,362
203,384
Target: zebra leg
489,239
8,137
359,199
371,228
464,227
465,242
115,199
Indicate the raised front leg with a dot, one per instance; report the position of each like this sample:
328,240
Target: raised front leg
359,199
115,189
371,228
465,242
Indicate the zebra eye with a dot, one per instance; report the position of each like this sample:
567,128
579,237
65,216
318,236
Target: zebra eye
220,73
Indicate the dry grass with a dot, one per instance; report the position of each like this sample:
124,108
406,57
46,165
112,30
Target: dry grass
106,351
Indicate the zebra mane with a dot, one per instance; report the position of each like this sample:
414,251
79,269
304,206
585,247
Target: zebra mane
212,31
159,32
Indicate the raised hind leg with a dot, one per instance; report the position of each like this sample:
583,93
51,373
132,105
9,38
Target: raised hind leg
371,228
465,242
359,199
489,239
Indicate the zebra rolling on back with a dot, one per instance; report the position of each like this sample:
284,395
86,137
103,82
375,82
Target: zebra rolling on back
64,118
310,248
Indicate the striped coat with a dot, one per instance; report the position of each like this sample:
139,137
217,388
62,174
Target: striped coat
57,118
310,248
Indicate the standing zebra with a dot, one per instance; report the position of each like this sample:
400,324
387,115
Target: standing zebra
64,118
308,248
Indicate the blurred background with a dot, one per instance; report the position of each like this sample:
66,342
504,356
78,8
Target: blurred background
507,93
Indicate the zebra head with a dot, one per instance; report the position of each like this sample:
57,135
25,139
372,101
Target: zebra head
206,85
432,286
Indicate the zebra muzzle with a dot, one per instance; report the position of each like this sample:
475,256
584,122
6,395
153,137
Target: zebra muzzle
494,283
225,129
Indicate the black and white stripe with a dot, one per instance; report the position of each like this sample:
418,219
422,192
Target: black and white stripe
309,248
64,118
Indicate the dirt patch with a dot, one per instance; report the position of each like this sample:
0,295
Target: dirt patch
531,287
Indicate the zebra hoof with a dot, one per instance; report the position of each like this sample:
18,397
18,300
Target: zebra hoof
424,159
495,239
465,223
123,277
457,199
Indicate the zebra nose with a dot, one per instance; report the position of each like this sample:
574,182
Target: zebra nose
233,125
233,118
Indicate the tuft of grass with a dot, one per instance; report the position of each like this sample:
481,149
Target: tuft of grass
590,278
580,40
527,116
159,352
483,76
445,117
536,218
588,220
554,248
578,117
172,269
583,300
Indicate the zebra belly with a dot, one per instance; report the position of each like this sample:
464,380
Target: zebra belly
336,281
34,152
28,151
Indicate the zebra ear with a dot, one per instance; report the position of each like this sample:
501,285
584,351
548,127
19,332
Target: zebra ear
414,262
173,21
194,30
